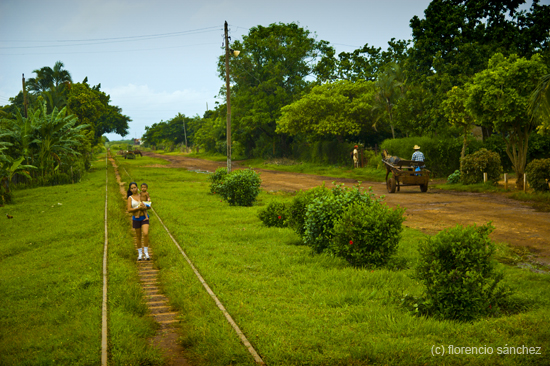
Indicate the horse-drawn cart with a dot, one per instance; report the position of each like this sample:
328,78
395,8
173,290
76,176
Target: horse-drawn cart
404,173
129,155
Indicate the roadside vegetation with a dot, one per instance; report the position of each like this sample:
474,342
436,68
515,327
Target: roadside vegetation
297,308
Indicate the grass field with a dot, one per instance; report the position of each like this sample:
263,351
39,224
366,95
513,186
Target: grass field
302,309
51,284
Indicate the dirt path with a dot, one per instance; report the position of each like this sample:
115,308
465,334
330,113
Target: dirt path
515,222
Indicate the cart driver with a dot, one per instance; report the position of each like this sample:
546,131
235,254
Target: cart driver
418,156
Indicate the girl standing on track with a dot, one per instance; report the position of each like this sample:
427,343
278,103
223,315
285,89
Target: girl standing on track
140,223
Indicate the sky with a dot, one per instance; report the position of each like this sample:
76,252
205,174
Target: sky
159,58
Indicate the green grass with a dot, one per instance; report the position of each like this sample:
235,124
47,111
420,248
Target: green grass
539,200
297,308
478,187
51,256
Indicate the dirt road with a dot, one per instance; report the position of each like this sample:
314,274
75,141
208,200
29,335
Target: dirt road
515,223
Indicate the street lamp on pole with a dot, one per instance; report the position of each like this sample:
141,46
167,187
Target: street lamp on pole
228,95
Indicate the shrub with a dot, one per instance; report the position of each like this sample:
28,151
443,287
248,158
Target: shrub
367,234
275,214
216,179
240,187
298,207
482,161
457,269
538,174
323,211
454,178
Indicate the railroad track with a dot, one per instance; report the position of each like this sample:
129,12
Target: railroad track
159,304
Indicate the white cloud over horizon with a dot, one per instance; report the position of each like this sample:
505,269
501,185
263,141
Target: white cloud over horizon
146,105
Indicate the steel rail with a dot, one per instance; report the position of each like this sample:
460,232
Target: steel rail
104,330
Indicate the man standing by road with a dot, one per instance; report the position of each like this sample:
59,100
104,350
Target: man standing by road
355,157
418,156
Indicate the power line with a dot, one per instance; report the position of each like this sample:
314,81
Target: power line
115,40
113,51
172,34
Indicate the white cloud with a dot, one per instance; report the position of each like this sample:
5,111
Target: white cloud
146,106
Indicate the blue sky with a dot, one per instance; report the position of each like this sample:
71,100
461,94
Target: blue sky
158,58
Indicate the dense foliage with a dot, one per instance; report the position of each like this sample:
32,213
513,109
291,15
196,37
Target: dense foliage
482,161
298,208
216,179
367,234
50,139
274,215
538,174
323,211
458,271
498,97
239,188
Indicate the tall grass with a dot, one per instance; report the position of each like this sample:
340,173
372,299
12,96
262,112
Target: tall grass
297,308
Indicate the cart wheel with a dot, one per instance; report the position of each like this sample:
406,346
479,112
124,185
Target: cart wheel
424,187
390,183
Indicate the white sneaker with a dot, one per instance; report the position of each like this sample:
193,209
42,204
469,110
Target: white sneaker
146,251
140,255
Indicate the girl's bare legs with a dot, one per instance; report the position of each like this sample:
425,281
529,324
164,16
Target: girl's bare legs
138,243
145,231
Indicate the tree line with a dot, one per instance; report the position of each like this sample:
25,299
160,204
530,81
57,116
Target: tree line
49,130
469,64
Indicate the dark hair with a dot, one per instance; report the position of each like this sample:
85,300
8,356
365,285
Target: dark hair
129,193
144,184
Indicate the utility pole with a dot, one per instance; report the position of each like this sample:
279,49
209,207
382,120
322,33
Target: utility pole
185,134
228,97
24,97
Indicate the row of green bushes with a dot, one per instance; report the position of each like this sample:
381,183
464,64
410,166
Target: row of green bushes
484,161
456,267
349,223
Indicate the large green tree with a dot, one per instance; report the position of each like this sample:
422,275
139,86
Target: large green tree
340,109
361,64
498,97
455,40
269,73
92,107
459,36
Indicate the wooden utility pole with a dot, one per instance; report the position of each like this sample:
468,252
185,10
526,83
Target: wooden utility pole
228,97
185,134
24,97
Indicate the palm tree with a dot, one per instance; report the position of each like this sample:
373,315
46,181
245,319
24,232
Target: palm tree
47,78
59,75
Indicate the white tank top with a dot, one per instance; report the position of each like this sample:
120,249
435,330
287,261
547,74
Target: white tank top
135,204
